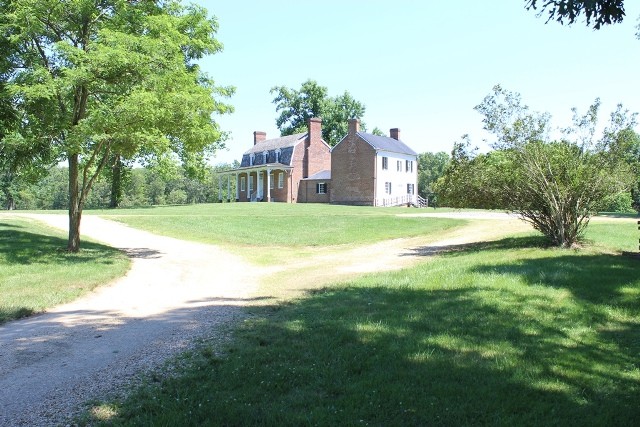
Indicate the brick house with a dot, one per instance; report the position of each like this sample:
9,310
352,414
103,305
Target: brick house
373,170
362,169
273,170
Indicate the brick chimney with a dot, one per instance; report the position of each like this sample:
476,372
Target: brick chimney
395,133
354,126
259,136
314,139
315,130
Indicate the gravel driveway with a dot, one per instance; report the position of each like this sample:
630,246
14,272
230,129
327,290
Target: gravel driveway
175,292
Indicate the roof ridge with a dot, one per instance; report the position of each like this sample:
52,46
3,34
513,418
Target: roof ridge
386,143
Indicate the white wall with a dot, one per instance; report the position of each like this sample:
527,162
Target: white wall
398,180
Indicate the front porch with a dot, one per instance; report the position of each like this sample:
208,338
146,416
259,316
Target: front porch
270,183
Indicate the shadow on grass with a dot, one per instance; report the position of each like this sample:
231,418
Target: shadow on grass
23,247
382,356
9,225
596,279
462,249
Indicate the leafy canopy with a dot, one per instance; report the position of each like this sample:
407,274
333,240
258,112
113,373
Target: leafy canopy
115,76
555,185
296,107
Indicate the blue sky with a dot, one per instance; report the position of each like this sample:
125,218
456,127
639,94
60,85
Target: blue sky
420,66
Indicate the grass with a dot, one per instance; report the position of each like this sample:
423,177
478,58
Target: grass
503,333
269,232
37,273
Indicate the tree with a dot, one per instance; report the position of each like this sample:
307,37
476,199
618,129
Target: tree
112,77
600,12
296,107
21,162
431,167
626,145
555,185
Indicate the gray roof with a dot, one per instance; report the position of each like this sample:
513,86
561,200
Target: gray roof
386,143
274,144
325,174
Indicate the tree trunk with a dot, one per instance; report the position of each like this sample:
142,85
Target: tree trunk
116,182
75,206
11,203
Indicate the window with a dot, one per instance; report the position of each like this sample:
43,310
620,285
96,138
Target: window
409,166
271,184
410,188
278,155
265,157
399,165
321,188
250,184
387,188
243,183
252,158
281,180
385,163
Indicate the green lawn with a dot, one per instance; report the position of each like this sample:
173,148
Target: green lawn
37,273
504,333
289,229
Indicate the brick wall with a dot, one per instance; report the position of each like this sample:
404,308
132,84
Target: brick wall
309,193
353,169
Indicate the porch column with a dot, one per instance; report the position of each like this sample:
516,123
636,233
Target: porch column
237,187
229,188
268,185
220,188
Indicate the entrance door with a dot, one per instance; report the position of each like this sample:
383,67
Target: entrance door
260,188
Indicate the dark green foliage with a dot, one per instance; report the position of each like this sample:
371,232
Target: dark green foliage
296,107
626,145
431,167
600,12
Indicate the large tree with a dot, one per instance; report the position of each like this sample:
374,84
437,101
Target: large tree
97,78
296,107
596,12
556,185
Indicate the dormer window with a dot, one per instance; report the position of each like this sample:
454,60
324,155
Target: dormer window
265,157
252,159
278,155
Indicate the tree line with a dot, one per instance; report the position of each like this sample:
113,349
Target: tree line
140,187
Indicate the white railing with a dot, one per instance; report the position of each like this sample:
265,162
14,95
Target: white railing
421,202
407,199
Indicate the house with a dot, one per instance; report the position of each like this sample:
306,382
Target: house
272,170
362,169
373,170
